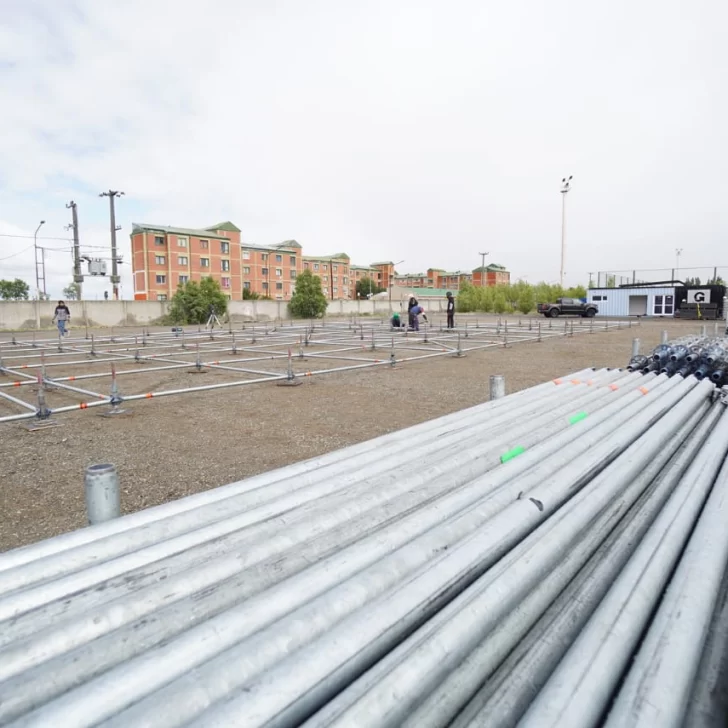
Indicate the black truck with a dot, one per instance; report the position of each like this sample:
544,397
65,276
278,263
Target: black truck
568,307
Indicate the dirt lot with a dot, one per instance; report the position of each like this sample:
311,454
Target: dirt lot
176,446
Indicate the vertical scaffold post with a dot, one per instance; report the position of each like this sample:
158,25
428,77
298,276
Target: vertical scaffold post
103,497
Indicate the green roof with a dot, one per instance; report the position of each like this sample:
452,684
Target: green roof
141,227
436,270
289,244
492,268
385,262
327,258
227,226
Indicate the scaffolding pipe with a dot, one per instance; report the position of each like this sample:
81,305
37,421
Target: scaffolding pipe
579,689
232,626
67,541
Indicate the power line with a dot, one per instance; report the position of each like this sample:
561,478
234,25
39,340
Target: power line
15,255
31,237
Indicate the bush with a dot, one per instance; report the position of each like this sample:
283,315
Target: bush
520,296
191,302
308,300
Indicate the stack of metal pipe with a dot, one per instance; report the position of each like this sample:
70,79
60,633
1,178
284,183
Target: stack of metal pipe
556,556
700,356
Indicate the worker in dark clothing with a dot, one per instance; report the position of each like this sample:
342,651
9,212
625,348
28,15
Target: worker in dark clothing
450,311
410,305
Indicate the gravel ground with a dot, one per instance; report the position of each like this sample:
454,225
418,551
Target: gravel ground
175,446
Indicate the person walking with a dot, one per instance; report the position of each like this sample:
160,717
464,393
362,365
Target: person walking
450,311
60,316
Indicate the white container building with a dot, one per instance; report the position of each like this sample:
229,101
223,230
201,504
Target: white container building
648,301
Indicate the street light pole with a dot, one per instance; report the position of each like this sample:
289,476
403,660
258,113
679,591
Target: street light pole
482,268
391,280
565,187
115,280
37,274
678,253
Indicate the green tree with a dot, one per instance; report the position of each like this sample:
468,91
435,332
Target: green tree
16,290
611,282
366,285
527,301
308,300
576,292
500,304
192,301
70,292
249,295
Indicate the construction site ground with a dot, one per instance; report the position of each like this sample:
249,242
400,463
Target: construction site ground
174,446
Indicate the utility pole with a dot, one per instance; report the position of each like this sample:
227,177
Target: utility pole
331,274
115,280
38,276
565,187
678,253
77,274
482,268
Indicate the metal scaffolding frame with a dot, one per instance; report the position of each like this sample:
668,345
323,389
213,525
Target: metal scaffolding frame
31,363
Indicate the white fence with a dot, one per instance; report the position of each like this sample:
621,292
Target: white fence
17,315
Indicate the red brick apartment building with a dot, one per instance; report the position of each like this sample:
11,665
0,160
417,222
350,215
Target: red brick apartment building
163,257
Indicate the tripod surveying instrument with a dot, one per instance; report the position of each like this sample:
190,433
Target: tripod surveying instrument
212,320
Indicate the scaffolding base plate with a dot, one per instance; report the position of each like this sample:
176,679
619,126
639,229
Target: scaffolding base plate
116,413
40,425
289,383
197,371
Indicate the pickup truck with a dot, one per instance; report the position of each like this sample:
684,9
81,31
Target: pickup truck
568,307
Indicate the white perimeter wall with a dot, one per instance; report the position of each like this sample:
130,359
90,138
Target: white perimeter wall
16,315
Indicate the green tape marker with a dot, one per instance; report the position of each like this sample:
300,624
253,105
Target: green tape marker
578,417
512,453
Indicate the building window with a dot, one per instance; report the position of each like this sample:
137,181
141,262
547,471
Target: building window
204,244
246,255
315,266
204,262
325,279
246,284
279,258
224,248
336,279
293,260
161,279
336,290
161,297
279,286
246,269
279,272
293,273
325,267
158,240
264,271
225,282
183,279
346,280
182,260
265,285
664,305
181,242
336,268
160,259
225,264
305,264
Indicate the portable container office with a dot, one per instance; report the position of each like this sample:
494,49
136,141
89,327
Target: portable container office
645,301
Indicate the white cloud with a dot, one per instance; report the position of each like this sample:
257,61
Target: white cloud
424,131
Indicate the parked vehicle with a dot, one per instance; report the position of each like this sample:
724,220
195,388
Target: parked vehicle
568,307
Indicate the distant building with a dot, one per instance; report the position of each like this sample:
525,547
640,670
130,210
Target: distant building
333,270
163,257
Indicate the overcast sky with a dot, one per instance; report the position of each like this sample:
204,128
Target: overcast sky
419,131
